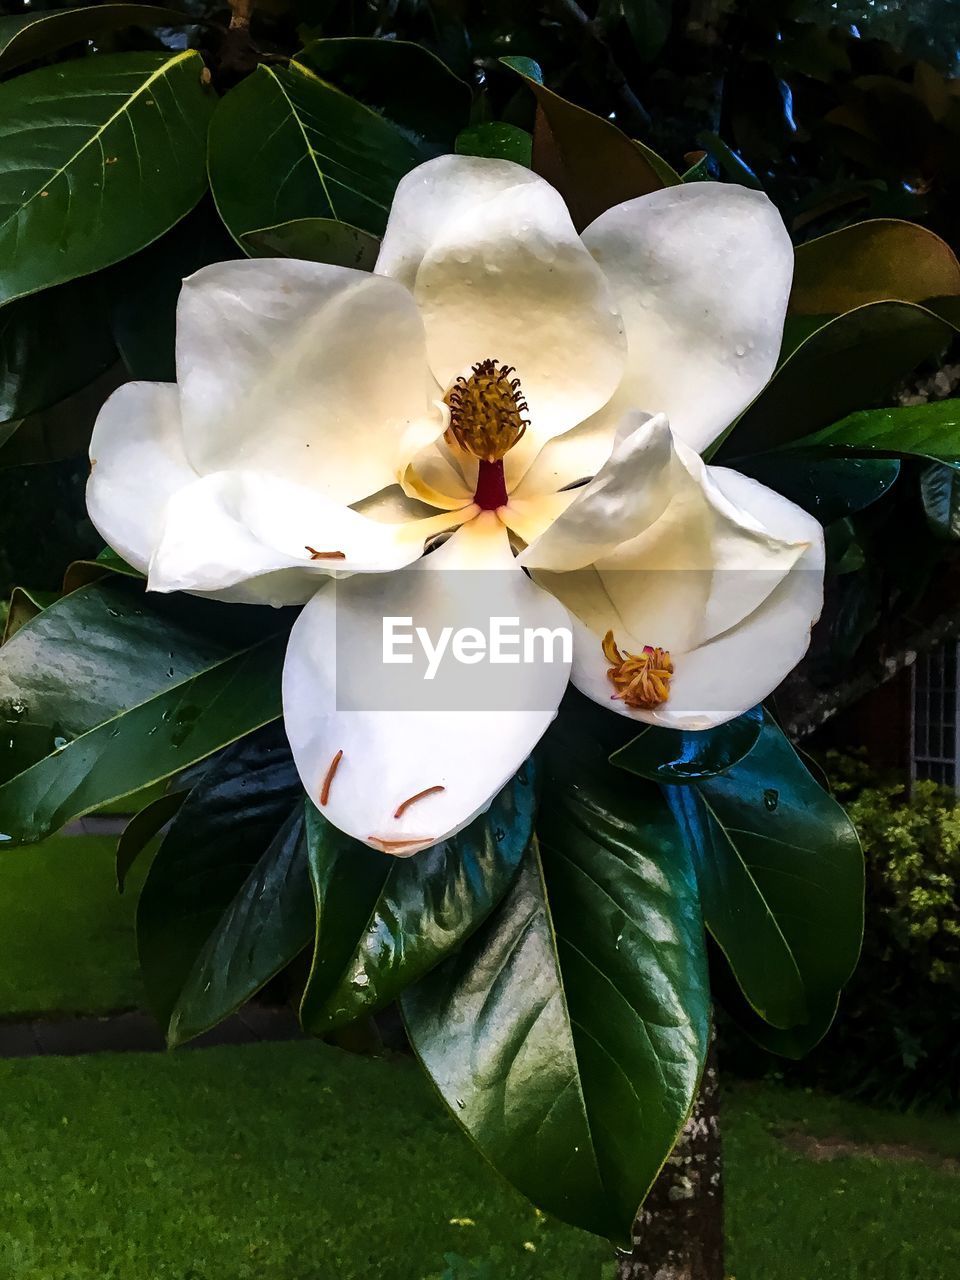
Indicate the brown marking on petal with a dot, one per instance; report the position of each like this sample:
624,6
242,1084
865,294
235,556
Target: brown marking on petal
397,846
427,791
328,779
641,680
325,555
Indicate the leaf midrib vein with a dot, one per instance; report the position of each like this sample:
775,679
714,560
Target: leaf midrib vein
124,109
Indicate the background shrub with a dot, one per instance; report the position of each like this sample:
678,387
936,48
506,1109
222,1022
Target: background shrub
897,1035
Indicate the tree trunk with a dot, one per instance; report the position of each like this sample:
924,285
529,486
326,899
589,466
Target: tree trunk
679,1233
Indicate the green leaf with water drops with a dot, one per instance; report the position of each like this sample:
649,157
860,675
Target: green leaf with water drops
316,240
107,691
568,1035
855,359
681,756
829,487
98,157
498,141
782,880
930,430
226,903
383,922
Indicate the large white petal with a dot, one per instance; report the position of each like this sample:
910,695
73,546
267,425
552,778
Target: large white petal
502,274
725,672
243,527
565,460
702,274
434,196
137,462
303,370
628,495
655,522
442,474
400,736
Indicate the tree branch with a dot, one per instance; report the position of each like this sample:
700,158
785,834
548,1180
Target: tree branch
570,11
240,14
804,708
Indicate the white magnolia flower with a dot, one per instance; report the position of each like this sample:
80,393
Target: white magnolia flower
543,395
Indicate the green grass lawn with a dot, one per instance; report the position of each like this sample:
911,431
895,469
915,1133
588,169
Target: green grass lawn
67,941
823,1189
299,1162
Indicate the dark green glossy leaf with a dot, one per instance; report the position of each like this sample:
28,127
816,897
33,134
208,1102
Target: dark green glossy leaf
781,875
856,359
869,262
314,151
266,926
569,1034
104,694
940,491
51,344
398,917
589,160
33,35
728,161
80,573
24,606
404,82
227,899
498,140
679,756
794,1043
97,652
830,488
930,430
113,150
146,288
142,828
63,429
649,25
700,170
316,240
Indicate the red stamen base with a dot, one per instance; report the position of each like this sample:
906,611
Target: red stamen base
491,486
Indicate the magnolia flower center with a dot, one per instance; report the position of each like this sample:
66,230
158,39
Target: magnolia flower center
486,410
642,680
486,419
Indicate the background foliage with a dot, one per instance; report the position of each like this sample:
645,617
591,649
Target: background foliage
896,1037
